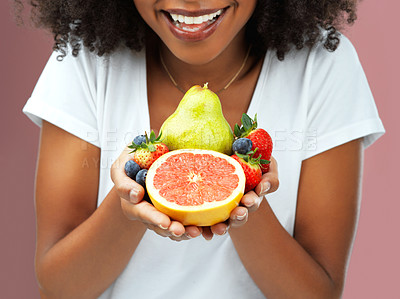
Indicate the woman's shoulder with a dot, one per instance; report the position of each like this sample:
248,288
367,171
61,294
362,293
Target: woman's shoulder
84,59
344,55
318,55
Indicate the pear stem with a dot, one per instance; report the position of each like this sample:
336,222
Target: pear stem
205,85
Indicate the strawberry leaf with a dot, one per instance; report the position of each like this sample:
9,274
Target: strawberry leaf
249,125
159,137
246,122
237,130
149,144
240,155
253,154
134,147
263,161
152,136
256,157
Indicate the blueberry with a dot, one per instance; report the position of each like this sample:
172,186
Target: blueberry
242,145
141,177
139,139
131,169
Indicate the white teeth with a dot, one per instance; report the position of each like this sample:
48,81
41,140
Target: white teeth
210,17
189,20
194,20
174,17
198,20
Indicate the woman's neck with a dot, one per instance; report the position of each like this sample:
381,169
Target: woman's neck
218,72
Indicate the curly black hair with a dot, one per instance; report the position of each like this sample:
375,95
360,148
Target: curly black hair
102,26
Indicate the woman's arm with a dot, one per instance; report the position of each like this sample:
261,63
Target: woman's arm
80,249
312,264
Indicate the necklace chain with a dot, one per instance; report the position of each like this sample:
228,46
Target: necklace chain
222,89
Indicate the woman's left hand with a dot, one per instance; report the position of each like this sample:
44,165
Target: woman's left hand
249,203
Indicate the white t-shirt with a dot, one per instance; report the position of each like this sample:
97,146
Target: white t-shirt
312,101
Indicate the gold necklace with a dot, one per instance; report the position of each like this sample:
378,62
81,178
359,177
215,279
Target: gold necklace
222,89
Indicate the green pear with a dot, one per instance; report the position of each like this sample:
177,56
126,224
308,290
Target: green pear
198,123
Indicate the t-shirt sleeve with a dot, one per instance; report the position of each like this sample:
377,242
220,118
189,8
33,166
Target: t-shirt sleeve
341,106
65,95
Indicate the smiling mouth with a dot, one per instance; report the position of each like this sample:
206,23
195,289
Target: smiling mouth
195,25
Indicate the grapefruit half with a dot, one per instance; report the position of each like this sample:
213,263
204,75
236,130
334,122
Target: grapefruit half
196,187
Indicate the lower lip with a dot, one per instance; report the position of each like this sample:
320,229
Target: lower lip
195,36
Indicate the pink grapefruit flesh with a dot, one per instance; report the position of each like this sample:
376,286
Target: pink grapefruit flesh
196,187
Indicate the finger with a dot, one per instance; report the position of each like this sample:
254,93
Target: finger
193,231
251,201
190,232
176,229
270,181
165,233
219,228
128,189
159,231
178,239
125,186
207,233
146,213
183,237
238,217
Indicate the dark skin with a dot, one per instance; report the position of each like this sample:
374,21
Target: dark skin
314,262
65,224
164,97
71,232
73,236
320,215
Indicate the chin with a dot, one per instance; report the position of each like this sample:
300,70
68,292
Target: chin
197,54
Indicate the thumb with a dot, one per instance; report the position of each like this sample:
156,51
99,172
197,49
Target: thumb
125,186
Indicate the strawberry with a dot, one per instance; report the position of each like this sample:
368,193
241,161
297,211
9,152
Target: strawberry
251,167
259,137
147,152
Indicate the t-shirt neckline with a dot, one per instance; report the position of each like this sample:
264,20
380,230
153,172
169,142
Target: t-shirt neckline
251,110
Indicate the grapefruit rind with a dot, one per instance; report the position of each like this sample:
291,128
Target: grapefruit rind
206,214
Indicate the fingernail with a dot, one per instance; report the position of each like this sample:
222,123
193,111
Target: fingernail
162,227
241,217
175,235
249,205
189,236
264,188
133,195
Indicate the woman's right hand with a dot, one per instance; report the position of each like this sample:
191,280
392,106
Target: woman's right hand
136,209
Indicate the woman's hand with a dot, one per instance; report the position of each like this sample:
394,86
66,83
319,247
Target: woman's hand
134,208
249,203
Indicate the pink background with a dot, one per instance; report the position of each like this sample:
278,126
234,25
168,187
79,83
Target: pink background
374,268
